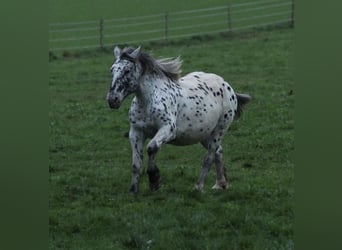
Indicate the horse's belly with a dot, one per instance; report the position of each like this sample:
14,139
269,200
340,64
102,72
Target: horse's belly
192,132
187,140
196,121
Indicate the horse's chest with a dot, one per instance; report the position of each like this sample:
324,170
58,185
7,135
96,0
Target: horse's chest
141,119
148,119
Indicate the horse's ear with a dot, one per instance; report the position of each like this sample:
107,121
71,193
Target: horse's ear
135,53
117,52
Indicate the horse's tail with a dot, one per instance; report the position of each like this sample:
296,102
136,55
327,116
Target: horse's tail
242,100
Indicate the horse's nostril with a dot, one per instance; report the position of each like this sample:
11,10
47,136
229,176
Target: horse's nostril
114,102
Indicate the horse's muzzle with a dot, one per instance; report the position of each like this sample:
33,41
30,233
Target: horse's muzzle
114,102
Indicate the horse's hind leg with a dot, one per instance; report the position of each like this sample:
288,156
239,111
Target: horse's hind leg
214,154
221,179
207,162
213,145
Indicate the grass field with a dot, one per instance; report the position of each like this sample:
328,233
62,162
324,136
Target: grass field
90,161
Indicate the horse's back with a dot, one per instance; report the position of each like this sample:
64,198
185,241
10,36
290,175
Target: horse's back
200,77
214,88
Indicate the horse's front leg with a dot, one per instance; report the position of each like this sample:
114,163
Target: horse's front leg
137,139
164,135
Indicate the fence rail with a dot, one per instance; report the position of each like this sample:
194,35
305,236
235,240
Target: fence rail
169,25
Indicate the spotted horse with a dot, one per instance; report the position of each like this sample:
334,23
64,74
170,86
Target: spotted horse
196,108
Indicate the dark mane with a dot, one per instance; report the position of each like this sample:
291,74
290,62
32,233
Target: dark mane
168,67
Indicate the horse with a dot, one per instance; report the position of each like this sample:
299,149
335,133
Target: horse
167,108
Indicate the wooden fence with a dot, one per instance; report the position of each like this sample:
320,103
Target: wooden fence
170,25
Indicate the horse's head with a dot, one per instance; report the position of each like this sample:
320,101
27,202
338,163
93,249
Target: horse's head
126,72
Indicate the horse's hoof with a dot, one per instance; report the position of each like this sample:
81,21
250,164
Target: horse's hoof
217,187
155,186
133,189
199,188
154,179
220,186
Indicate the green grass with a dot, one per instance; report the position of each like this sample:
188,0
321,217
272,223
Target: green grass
90,157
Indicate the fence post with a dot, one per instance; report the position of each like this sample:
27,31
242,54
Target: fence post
101,33
166,26
229,19
292,14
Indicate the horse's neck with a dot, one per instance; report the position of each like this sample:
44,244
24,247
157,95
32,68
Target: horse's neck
149,87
